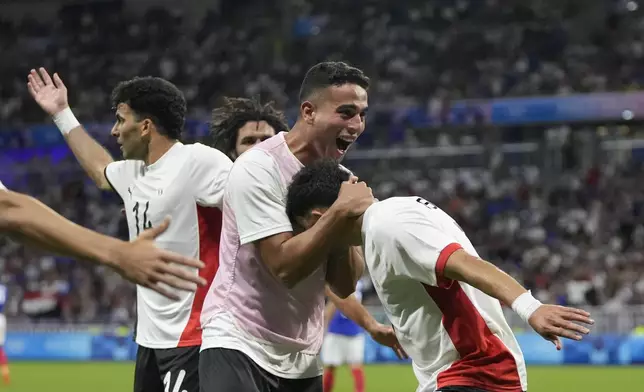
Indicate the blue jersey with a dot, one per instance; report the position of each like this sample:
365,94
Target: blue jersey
3,297
340,324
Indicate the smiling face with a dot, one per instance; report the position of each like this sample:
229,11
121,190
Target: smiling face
337,117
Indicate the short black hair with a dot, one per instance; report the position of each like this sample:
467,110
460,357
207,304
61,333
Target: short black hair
315,186
227,119
154,98
331,73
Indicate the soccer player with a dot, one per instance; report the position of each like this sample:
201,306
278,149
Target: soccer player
263,316
240,124
26,219
159,177
442,299
343,345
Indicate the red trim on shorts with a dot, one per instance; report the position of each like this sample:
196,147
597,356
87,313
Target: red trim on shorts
210,220
485,362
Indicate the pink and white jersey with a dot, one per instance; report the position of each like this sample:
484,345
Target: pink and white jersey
247,308
186,184
455,334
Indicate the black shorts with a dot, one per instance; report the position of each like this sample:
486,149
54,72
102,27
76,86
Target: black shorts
223,370
172,369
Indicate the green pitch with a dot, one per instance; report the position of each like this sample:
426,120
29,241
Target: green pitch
117,377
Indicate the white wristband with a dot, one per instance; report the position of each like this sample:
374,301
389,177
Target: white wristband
65,120
525,305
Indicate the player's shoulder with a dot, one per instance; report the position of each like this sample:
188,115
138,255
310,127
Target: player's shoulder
390,215
201,151
256,157
129,166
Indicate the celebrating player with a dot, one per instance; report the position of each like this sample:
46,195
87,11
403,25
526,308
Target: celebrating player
242,123
26,219
442,299
160,177
343,345
263,317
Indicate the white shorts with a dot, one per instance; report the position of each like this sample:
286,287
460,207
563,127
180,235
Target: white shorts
340,350
3,329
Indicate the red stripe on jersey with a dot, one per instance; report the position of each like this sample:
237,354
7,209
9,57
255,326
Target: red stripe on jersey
209,219
485,362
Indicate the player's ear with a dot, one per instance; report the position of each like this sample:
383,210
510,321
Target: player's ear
307,112
317,213
146,127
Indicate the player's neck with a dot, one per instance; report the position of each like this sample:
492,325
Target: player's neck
300,146
158,147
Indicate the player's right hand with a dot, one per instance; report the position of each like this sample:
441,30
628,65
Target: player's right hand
143,263
50,94
355,197
552,322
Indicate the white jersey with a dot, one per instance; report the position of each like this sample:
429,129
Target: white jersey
2,186
186,184
455,334
247,309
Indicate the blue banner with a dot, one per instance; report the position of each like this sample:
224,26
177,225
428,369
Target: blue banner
101,346
593,350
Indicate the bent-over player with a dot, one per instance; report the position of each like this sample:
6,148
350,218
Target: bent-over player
443,300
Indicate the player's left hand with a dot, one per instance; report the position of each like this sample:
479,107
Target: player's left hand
387,337
553,321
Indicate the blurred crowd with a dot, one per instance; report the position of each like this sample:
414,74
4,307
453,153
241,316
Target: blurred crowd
578,241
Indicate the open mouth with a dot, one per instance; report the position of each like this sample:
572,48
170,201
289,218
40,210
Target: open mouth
342,144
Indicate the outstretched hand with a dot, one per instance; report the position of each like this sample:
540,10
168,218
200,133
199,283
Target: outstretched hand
141,262
553,322
50,94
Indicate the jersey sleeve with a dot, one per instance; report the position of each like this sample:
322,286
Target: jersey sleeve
254,192
120,174
422,248
210,169
2,187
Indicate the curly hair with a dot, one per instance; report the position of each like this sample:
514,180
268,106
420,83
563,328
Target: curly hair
227,119
156,99
331,73
315,186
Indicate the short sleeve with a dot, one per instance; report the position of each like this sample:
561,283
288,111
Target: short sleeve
209,174
256,196
120,174
422,248
2,187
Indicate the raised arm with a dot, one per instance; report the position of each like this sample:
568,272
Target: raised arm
29,221
51,95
